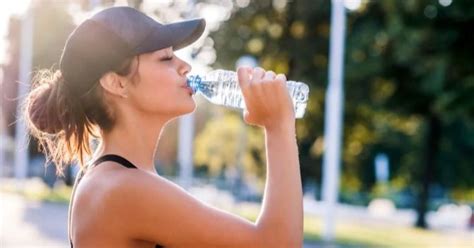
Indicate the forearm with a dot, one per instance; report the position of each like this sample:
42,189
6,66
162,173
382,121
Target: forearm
282,210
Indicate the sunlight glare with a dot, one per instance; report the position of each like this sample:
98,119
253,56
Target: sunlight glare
8,9
352,4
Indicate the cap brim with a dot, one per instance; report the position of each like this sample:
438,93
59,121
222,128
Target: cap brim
186,32
176,35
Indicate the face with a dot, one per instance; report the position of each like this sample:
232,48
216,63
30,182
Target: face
159,86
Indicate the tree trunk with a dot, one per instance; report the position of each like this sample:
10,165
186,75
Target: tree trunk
426,177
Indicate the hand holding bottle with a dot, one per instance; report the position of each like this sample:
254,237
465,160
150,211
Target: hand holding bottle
268,103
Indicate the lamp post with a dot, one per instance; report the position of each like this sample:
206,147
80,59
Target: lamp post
334,106
21,134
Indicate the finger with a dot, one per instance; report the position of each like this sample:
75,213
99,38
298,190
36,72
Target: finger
257,74
281,78
269,75
281,82
250,72
243,75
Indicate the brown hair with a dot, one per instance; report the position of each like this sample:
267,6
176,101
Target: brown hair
65,122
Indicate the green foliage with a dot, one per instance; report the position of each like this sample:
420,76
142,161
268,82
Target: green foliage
227,143
422,56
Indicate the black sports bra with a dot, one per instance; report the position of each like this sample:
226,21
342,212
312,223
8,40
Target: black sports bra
109,157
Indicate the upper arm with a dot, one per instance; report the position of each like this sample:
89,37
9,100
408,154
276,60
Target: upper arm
157,210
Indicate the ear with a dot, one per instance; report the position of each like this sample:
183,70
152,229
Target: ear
114,84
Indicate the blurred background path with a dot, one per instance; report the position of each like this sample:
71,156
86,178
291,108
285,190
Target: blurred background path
25,222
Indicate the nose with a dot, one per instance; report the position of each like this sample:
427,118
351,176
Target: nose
184,67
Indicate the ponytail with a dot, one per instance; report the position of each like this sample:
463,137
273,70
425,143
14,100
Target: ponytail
58,120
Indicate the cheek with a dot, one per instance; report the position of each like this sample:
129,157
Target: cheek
156,98
163,98
160,93
153,86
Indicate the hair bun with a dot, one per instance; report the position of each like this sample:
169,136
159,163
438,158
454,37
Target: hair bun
45,105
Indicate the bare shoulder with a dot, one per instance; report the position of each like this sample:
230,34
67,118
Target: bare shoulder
153,209
117,186
100,201
128,195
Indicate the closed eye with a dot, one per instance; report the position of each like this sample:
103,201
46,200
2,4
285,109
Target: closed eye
167,58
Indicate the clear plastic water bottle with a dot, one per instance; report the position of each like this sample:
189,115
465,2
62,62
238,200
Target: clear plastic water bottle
221,87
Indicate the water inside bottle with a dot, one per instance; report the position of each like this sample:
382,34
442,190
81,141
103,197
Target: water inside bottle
223,89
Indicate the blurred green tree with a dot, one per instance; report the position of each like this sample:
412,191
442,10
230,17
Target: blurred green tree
226,142
408,80
417,51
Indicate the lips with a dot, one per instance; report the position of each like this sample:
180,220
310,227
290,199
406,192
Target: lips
187,88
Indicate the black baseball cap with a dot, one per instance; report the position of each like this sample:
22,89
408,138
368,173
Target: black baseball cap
103,42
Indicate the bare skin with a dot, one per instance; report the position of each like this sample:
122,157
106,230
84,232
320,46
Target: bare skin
138,208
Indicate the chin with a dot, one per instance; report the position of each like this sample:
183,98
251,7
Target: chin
187,108
184,108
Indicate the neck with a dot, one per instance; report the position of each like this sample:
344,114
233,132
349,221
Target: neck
135,139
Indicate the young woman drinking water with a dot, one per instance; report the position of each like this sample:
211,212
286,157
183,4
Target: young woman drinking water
120,82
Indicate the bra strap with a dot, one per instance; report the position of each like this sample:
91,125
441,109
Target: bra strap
115,158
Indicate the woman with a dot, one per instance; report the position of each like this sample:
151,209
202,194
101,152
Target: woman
119,81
